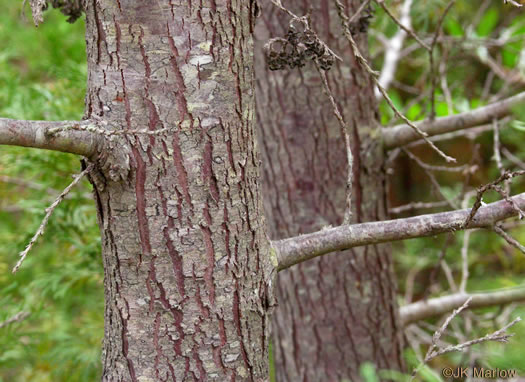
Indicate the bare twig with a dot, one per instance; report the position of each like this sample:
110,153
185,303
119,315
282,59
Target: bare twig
514,159
509,239
49,211
404,24
417,206
498,336
395,44
435,350
304,247
374,75
448,274
464,262
434,347
494,186
497,156
427,169
358,12
16,318
346,133
402,134
433,77
444,83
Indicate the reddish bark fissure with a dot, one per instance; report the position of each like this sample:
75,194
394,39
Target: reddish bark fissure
186,258
337,311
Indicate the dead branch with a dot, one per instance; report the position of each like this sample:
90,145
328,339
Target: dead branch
435,350
403,134
71,137
40,231
437,306
16,318
297,249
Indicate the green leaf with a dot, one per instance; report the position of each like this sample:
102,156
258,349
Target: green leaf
453,27
414,112
368,372
488,22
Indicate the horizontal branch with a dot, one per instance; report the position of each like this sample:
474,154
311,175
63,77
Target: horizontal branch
437,306
297,249
402,134
45,135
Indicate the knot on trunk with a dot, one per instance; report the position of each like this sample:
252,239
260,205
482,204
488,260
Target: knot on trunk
71,8
113,158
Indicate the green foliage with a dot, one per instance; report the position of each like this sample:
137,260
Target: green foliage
488,22
493,263
42,76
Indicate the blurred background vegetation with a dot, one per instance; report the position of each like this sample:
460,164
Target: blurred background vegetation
43,76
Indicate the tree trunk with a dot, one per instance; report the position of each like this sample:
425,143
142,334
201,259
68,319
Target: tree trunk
187,270
337,311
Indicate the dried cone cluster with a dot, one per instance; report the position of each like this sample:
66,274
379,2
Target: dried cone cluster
296,48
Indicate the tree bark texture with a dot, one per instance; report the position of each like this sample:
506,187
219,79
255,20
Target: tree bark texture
338,311
186,257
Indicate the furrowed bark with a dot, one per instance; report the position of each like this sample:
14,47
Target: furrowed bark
301,248
402,134
437,306
188,271
39,134
334,312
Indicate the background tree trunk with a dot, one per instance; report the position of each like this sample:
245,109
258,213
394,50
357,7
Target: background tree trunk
337,311
187,271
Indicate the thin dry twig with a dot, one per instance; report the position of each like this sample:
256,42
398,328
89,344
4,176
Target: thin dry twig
358,12
433,77
349,155
437,335
464,262
49,211
428,167
374,75
509,239
513,158
409,31
435,184
417,206
497,154
494,186
435,269
16,318
435,350
497,336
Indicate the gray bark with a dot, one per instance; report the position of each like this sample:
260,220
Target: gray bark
187,266
338,311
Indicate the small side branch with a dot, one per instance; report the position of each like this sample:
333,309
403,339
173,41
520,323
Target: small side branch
304,247
65,136
20,316
435,350
374,76
49,211
402,134
437,306
395,44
